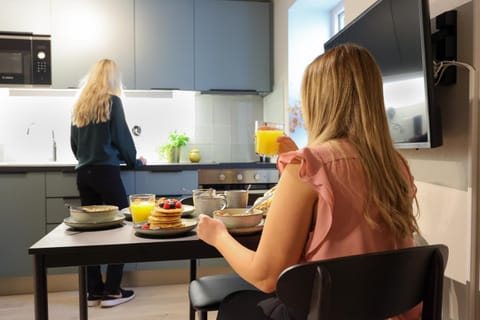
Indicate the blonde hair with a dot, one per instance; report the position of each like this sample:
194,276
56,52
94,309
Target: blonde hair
93,103
342,97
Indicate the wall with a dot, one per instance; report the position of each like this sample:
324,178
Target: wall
276,102
221,126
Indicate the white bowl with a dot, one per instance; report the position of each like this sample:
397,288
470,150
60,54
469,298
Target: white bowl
94,213
239,217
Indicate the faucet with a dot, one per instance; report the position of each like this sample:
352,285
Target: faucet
54,145
29,127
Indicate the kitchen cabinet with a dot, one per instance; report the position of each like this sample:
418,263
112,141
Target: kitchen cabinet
167,183
233,45
61,189
164,44
86,31
158,44
22,196
25,16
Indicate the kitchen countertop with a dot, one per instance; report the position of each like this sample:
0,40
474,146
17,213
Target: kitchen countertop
20,167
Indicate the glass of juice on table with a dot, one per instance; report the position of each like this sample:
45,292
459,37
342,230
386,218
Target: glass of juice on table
266,134
141,205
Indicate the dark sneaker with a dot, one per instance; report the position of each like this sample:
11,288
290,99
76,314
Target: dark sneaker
112,300
94,300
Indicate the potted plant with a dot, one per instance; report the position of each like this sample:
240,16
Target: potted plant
172,149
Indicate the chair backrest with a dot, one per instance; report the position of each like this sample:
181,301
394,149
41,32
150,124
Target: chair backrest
367,286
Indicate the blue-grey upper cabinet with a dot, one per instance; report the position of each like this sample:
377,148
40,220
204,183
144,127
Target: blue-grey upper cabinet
86,31
164,44
233,45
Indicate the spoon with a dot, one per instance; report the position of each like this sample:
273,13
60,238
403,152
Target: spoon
75,207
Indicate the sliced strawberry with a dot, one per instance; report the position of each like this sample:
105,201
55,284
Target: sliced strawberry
178,204
166,205
145,226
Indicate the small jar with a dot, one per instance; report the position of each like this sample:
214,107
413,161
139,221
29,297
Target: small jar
194,155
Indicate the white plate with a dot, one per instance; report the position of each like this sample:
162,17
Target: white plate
247,230
189,224
119,218
187,209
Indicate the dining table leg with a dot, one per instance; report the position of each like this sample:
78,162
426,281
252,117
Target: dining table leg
40,290
193,276
82,292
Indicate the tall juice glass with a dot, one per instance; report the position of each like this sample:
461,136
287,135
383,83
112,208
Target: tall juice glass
141,205
266,134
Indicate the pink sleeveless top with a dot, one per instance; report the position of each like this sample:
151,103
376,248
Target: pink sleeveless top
340,228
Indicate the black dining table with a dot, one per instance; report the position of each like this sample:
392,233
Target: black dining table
64,246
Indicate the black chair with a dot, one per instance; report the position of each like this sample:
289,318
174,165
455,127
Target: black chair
207,292
368,286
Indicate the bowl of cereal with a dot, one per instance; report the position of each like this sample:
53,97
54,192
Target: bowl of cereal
239,217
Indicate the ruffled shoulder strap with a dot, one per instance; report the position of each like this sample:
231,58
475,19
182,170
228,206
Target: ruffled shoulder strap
313,171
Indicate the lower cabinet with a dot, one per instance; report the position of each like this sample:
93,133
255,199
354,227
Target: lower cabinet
33,203
166,183
23,220
61,189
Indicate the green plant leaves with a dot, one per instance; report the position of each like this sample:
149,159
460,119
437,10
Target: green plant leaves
178,139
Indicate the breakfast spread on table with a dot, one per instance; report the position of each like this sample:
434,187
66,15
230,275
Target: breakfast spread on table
166,214
263,203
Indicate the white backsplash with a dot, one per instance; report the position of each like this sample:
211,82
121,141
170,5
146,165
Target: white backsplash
221,126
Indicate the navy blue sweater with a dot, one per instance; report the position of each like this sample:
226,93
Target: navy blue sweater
106,143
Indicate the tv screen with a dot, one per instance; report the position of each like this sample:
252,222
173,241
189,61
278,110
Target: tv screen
397,33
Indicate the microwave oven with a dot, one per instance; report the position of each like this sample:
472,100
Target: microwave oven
25,58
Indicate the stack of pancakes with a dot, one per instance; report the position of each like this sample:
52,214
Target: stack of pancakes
166,214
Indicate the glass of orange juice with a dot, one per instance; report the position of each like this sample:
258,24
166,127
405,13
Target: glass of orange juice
141,205
266,134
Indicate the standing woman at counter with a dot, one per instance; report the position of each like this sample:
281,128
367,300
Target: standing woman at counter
101,141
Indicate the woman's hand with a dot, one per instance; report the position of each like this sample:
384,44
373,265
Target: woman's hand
286,144
143,160
209,229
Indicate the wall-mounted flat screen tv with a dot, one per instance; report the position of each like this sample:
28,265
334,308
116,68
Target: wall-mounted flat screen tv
397,33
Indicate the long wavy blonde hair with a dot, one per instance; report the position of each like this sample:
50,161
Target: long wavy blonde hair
342,97
93,103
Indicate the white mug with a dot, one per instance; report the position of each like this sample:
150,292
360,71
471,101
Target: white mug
208,204
236,198
202,193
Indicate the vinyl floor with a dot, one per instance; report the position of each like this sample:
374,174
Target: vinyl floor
155,302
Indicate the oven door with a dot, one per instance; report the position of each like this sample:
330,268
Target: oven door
15,60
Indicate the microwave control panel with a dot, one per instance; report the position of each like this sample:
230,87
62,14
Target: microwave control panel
42,60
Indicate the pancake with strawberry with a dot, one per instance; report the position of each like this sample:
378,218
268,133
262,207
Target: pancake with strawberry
166,214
